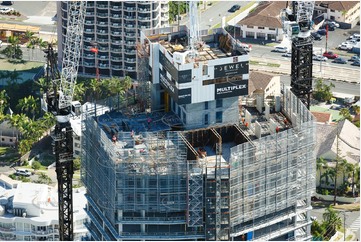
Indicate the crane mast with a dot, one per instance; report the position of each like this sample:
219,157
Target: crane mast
59,102
297,24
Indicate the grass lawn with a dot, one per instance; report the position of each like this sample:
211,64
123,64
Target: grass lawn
8,155
264,64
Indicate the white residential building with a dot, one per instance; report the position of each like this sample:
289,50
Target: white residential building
347,13
264,22
30,212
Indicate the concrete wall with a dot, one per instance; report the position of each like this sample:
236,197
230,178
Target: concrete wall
242,15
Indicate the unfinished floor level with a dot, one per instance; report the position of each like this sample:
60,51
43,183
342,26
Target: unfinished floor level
250,180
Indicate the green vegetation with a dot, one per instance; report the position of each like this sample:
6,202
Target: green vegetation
327,228
264,64
322,92
173,9
8,155
345,113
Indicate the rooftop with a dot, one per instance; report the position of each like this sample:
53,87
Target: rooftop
219,44
338,5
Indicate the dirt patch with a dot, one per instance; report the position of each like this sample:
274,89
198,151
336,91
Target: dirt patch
348,207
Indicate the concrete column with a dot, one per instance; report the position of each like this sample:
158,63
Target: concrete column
142,226
277,103
248,117
120,227
255,35
267,111
259,103
272,127
258,130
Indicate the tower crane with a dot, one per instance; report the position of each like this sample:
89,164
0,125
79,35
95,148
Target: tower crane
297,24
59,103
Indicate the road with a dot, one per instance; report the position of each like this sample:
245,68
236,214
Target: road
341,87
351,218
213,14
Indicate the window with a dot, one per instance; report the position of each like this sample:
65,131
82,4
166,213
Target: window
218,117
206,119
271,28
11,140
205,70
219,103
205,105
2,139
260,27
250,26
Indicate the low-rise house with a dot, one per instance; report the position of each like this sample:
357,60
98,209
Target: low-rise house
30,212
263,22
346,13
263,84
328,147
8,134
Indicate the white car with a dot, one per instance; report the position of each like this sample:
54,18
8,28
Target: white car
5,9
288,54
345,46
319,58
22,172
334,23
281,49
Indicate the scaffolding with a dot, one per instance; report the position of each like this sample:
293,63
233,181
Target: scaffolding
214,183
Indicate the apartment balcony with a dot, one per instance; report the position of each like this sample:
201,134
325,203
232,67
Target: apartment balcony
9,230
129,17
152,220
102,23
90,5
89,64
131,43
117,42
64,7
144,19
89,13
103,57
88,39
103,66
116,33
102,6
116,24
102,31
130,9
89,56
116,8
165,8
102,15
102,48
102,40
143,10
165,17
43,232
117,50
89,22
115,15
130,52
130,60
131,35
116,58
130,26
86,30
117,67
129,68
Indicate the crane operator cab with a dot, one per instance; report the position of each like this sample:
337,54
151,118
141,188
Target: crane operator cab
75,108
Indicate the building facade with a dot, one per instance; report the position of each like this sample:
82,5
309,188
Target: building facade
161,175
29,212
114,27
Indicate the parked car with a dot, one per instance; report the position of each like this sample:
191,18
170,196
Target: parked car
281,49
354,58
330,27
330,55
339,60
319,58
7,3
345,46
234,8
22,172
316,36
356,63
354,37
5,9
288,54
335,24
321,31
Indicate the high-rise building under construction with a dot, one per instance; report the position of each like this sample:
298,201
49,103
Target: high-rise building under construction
209,163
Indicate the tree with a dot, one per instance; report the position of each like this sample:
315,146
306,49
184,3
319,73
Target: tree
356,109
36,165
77,164
332,221
13,51
4,99
322,92
29,105
329,174
174,7
345,113
79,91
320,163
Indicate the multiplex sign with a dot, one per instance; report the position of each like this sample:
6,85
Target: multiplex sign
231,69
231,89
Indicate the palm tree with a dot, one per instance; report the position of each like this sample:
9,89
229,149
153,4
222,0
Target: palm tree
320,163
332,220
29,105
342,167
3,101
79,91
350,169
329,174
15,51
43,85
48,120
